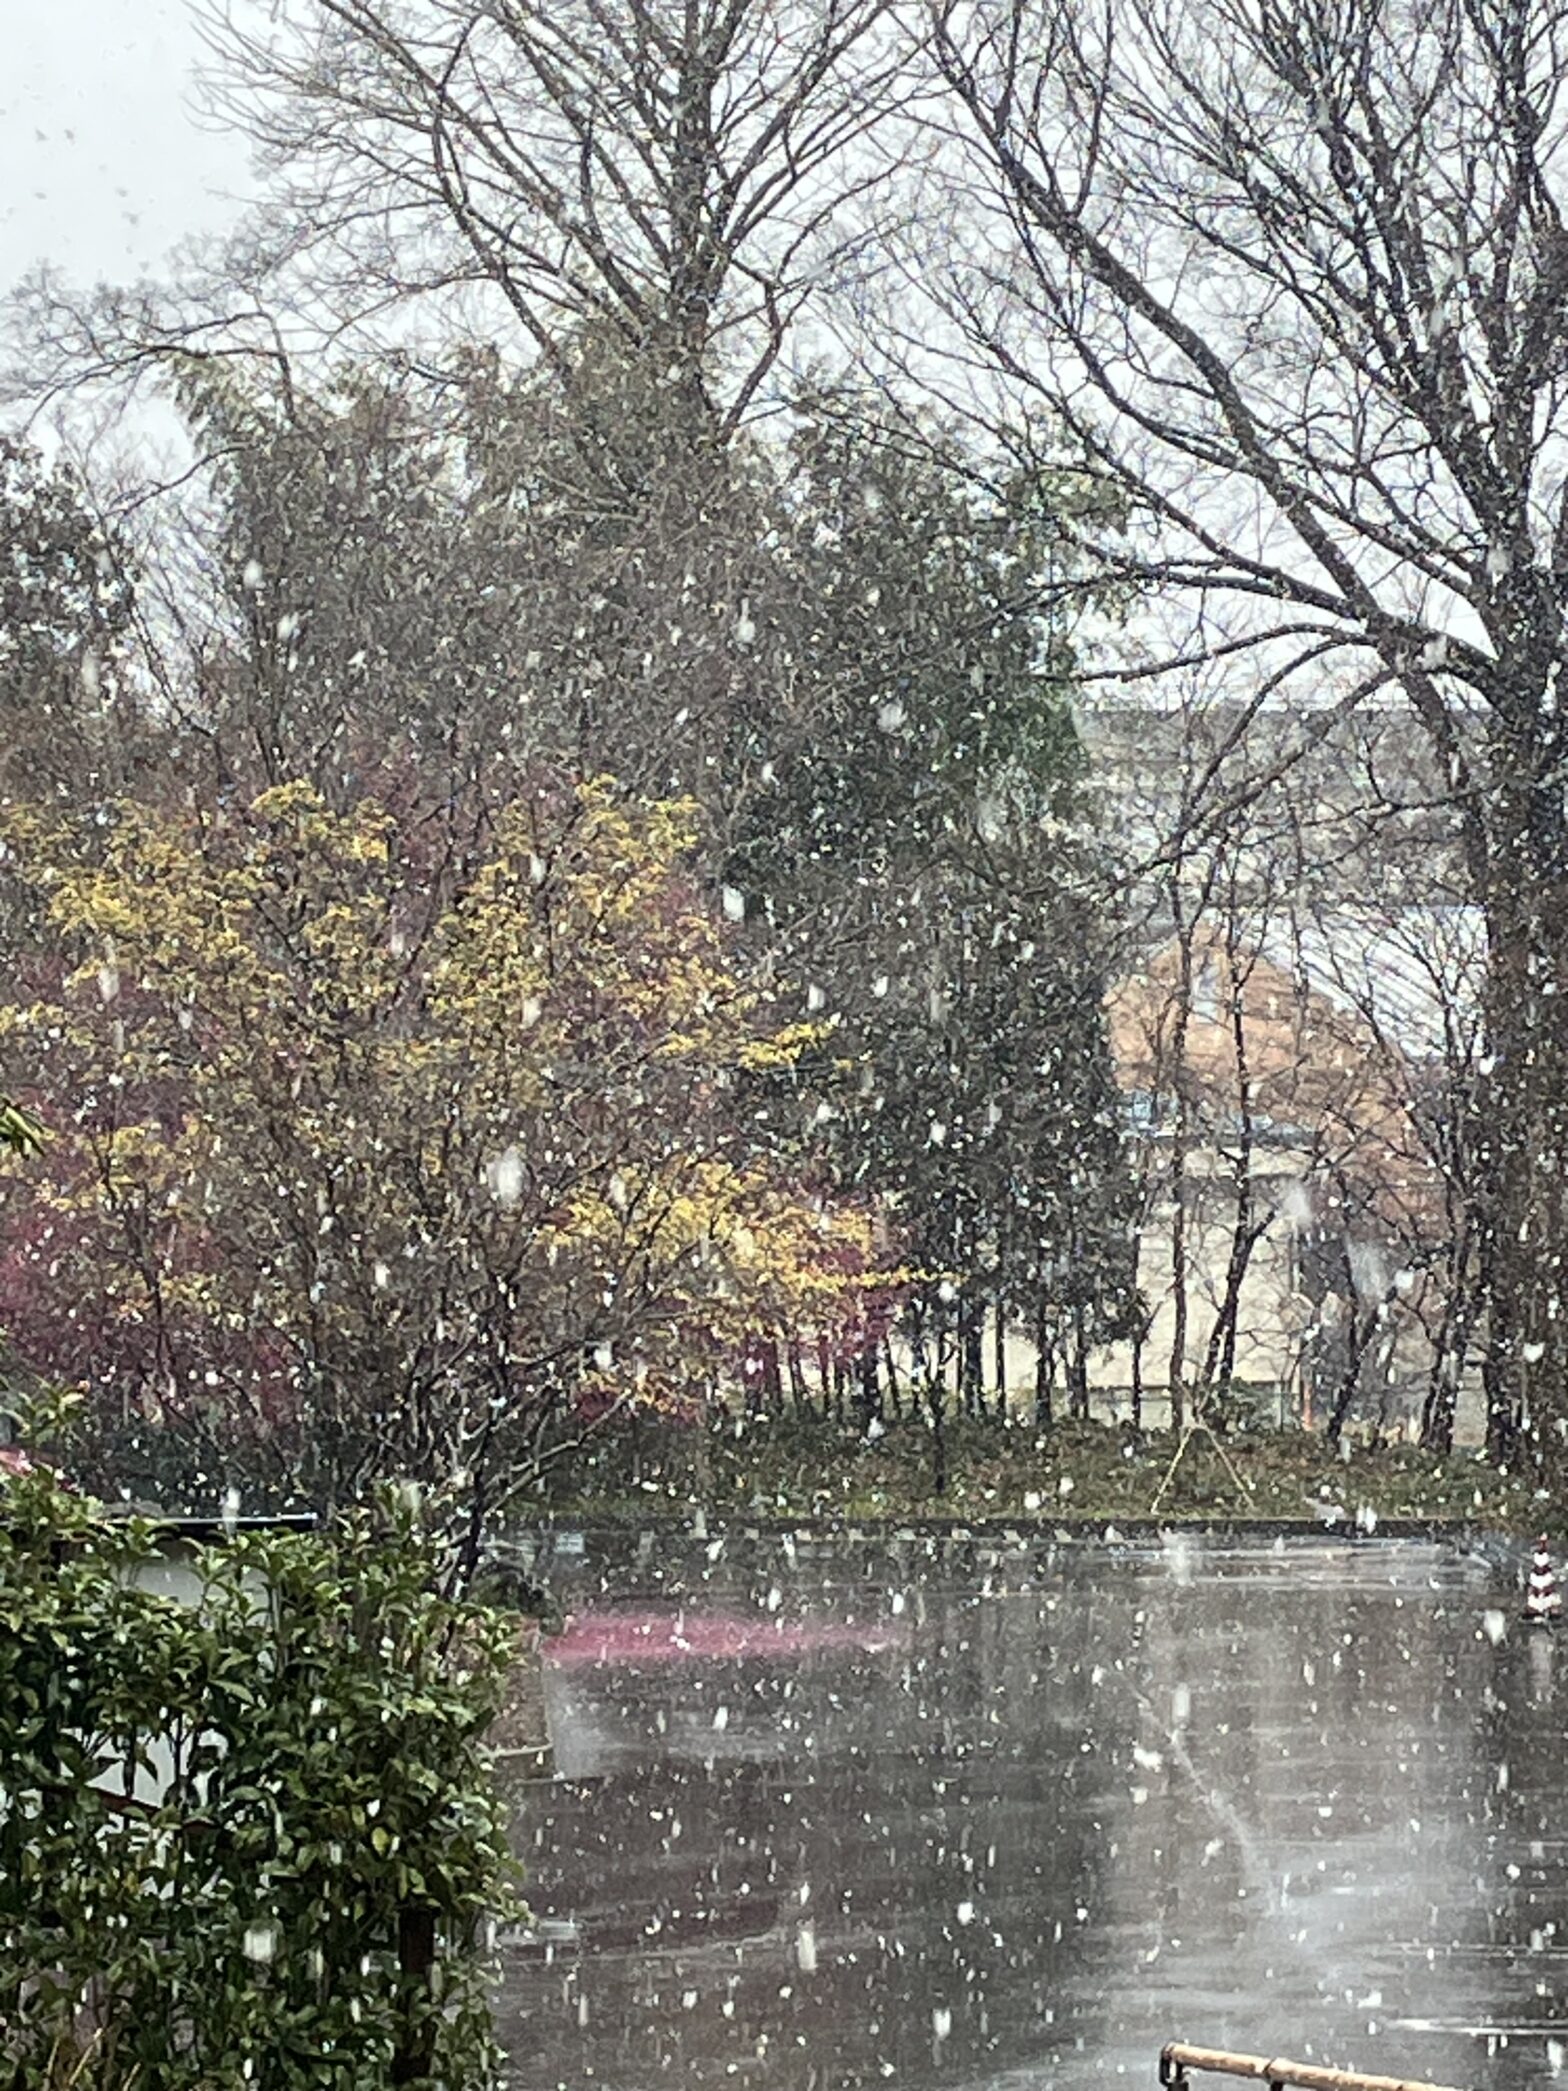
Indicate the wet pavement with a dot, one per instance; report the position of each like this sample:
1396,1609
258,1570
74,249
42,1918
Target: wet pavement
839,1817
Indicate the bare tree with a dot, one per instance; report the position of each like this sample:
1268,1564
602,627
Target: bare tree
683,174
1297,277
1298,1013
1411,978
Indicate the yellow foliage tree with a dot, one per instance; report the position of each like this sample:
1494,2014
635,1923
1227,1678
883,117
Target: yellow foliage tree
370,1164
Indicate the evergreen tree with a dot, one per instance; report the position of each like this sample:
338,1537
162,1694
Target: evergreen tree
916,864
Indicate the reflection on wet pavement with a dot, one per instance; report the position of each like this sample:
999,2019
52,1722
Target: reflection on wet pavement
874,1815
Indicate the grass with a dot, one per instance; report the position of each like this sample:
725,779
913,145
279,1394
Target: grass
1071,1473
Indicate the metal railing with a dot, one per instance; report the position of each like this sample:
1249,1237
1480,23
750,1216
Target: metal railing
1176,2059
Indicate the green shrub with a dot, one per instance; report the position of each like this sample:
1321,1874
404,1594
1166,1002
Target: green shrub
246,1838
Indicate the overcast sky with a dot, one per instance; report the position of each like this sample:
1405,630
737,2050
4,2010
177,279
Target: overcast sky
103,166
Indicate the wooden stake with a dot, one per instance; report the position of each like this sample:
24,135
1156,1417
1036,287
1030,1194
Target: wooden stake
1176,2059
1196,1427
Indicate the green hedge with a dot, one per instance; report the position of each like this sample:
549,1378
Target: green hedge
248,1839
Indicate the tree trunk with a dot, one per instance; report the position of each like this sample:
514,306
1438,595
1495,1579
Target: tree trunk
1358,1341
890,1368
1524,1133
416,1959
1180,1143
870,1388
971,1355
1043,1369
1219,1362
936,1415
772,1380
1448,1364
1349,1382
1078,1369
800,1393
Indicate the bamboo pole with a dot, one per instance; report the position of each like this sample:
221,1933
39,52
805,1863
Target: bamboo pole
1176,2059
